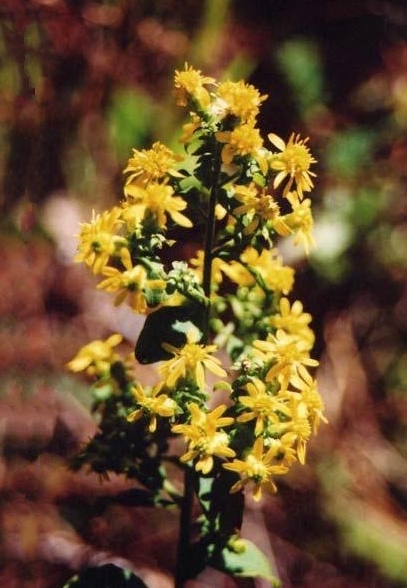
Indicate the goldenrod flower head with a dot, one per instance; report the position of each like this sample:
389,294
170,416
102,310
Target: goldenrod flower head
131,283
293,163
298,429
300,221
244,140
98,240
268,264
288,355
189,362
262,404
205,441
238,273
96,357
274,398
282,449
259,207
154,201
151,165
309,393
152,403
189,84
240,99
293,320
257,469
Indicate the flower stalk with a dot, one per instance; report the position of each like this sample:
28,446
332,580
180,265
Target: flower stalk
184,537
210,240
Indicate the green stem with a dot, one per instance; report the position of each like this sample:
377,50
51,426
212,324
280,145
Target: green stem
184,539
210,238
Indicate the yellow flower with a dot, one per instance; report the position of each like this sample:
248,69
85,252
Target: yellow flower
96,357
257,469
288,354
263,405
154,201
151,165
300,221
205,441
152,404
293,320
297,429
268,264
98,240
309,393
131,283
238,273
190,361
282,449
293,162
260,208
189,84
242,141
240,99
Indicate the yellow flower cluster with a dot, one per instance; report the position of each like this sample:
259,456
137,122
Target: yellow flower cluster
100,240
107,242
239,187
240,100
205,441
257,469
152,403
151,165
96,357
189,362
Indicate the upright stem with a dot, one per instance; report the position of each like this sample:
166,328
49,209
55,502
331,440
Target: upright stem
184,538
210,238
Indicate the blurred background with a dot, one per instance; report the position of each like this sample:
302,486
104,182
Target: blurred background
81,83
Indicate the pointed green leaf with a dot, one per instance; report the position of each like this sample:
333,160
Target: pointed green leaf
204,492
244,558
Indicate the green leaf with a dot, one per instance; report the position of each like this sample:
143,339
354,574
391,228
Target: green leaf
222,385
102,392
226,508
190,183
153,296
107,576
205,492
165,326
243,558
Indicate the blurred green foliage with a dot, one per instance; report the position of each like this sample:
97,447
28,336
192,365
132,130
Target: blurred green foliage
300,62
349,152
129,121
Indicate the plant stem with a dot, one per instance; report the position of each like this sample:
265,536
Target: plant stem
183,554
210,238
184,529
